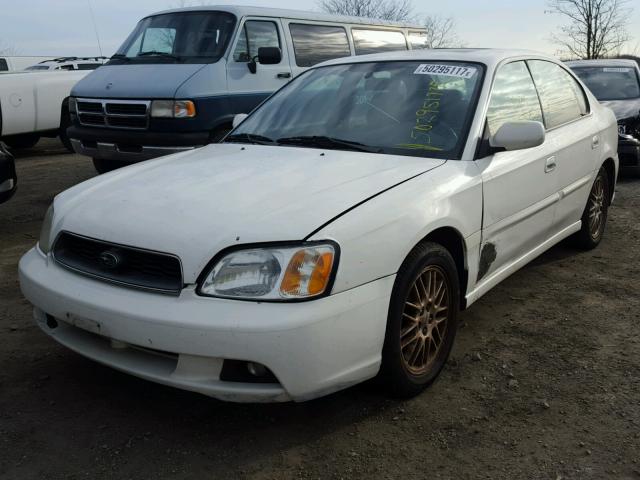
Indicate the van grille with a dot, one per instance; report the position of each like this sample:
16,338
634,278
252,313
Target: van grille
128,266
129,114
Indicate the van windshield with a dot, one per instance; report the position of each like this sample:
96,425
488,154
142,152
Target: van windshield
182,37
403,108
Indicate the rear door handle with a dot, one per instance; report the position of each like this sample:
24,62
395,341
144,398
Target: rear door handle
595,142
284,75
550,165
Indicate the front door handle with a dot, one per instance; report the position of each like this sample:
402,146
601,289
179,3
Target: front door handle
550,165
284,75
595,142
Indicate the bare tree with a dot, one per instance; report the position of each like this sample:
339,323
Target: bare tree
441,32
6,49
394,10
595,28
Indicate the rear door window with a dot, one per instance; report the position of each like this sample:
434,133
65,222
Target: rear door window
513,97
562,98
316,43
254,35
376,41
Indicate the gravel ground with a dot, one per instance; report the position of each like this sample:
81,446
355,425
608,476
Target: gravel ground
543,383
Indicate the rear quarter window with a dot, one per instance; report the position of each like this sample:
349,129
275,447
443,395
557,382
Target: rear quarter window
376,41
313,44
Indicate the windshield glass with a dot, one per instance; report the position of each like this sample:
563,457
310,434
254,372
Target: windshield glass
184,37
406,108
37,67
610,83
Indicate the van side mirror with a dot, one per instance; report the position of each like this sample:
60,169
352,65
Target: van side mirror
238,119
8,177
266,56
518,135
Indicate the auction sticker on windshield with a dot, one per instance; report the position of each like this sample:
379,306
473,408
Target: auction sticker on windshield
616,69
445,70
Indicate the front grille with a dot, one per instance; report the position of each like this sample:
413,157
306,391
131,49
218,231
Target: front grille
631,126
129,114
129,266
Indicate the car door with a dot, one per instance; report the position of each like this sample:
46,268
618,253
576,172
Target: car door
256,33
574,132
519,187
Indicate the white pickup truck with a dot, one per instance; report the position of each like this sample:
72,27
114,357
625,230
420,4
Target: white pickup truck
34,105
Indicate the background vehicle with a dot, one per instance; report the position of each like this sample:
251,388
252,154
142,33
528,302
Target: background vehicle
181,76
616,84
16,63
34,105
318,247
8,177
69,63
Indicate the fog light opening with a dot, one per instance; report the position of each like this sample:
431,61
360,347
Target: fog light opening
51,322
257,370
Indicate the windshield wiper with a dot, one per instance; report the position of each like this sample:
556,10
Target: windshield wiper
249,138
156,53
328,142
120,56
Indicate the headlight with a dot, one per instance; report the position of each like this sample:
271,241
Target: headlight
173,109
45,232
273,273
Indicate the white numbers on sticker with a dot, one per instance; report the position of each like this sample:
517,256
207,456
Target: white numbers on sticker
616,69
445,70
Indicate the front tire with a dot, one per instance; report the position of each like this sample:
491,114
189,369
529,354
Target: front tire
422,321
594,217
26,140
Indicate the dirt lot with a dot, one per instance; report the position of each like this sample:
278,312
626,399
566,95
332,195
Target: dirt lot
544,383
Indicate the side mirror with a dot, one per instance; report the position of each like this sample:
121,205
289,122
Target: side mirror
8,177
266,56
238,119
518,135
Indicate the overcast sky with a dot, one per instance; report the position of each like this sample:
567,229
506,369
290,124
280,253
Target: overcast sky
64,27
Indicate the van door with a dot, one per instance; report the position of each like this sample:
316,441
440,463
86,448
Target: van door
249,89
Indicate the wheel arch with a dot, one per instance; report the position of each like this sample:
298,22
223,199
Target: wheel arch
451,239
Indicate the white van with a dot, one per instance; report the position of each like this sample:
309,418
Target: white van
179,79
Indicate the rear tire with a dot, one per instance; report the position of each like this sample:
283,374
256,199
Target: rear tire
422,321
594,217
23,141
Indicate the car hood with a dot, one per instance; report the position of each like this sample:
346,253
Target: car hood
135,80
195,204
624,108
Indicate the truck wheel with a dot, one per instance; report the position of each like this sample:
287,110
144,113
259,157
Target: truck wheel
26,140
104,166
422,321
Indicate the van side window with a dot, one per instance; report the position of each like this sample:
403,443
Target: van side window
513,98
255,34
3,65
316,43
375,41
560,100
417,40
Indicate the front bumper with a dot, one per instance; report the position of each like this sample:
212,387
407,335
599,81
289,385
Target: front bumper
313,348
629,153
131,146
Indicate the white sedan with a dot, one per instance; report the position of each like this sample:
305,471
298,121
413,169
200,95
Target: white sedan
336,232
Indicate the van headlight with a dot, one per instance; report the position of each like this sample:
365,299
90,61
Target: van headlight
173,109
45,232
278,273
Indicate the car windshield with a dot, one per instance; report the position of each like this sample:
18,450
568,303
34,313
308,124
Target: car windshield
406,108
185,37
37,67
610,83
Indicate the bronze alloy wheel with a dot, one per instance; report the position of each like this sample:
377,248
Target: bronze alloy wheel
597,208
424,320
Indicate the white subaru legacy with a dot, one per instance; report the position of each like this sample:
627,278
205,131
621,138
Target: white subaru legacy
335,233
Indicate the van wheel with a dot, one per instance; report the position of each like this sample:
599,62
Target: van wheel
594,217
22,141
422,321
105,166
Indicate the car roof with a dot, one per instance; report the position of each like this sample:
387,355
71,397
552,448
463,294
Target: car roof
607,62
241,11
487,56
